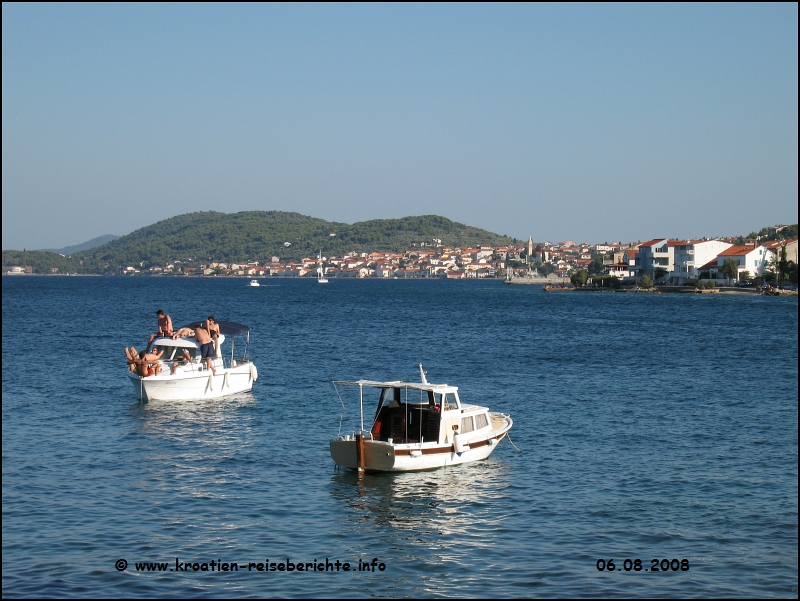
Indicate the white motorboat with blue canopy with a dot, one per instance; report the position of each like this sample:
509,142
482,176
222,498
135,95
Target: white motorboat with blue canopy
418,426
235,373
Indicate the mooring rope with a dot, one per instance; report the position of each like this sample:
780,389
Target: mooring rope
340,397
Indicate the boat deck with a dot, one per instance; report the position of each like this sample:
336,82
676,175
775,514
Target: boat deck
498,421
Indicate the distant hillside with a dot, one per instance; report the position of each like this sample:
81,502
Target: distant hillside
780,232
68,250
256,236
42,261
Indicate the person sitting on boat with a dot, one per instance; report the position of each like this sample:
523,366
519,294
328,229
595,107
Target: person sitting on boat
143,363
164,328
150,363
184,359
207,351
213,329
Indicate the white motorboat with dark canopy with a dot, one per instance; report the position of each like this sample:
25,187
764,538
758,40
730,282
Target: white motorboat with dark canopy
419,426
192,379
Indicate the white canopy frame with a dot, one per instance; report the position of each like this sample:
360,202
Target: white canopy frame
441,389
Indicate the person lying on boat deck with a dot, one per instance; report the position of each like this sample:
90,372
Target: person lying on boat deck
185,359
164,328
213,329
183,333
206,347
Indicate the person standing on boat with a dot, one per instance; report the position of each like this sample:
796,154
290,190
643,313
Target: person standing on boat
206,346
164,328
213,329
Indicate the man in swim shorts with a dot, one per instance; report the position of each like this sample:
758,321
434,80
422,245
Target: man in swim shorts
206,347
164,328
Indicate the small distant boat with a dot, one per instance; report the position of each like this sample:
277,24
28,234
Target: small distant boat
321,279
419,431
254,283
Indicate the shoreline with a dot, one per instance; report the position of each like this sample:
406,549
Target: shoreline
727,291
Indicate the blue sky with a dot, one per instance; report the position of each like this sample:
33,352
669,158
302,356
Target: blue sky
585,122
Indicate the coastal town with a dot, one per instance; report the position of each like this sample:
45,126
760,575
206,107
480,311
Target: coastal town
665,261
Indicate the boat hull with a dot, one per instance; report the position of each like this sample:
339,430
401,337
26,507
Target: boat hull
195,384
381,456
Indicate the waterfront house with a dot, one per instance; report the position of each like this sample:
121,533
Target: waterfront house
384,270
689,255
619,270
776,246
654,254
753,259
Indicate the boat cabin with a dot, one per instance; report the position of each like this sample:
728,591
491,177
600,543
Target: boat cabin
412,413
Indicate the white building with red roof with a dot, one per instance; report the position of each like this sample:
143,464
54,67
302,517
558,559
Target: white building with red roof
691,254
753,259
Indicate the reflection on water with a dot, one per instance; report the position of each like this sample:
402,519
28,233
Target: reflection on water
446,501
194,405
435,523
176,418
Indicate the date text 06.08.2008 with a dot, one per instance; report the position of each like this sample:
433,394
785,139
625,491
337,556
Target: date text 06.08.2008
656,565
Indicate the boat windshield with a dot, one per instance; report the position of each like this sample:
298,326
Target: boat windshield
420,397
174,352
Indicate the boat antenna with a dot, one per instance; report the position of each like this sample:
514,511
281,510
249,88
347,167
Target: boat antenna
422,374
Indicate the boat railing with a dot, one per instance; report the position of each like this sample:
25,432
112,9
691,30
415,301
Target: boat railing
196,365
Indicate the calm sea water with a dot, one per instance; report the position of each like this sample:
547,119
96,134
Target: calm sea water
649,427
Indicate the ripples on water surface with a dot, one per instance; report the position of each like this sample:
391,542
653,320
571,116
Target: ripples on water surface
650,427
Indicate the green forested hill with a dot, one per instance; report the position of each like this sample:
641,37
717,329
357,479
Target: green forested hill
253,236
42,261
